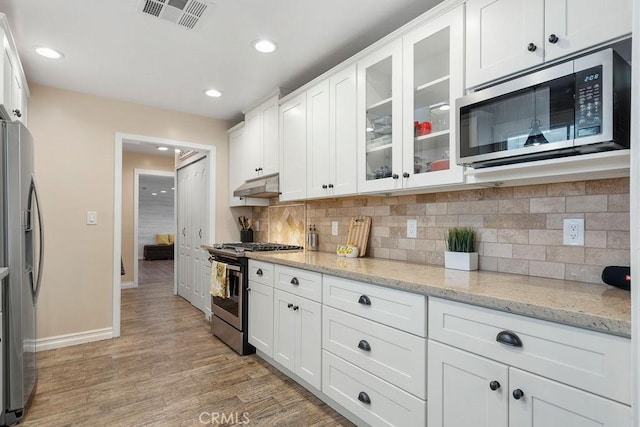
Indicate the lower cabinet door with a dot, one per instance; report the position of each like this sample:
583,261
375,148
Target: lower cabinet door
261,317
284,329
546,403
308,360
461,389
372,399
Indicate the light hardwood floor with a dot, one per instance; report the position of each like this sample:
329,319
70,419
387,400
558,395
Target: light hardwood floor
166,370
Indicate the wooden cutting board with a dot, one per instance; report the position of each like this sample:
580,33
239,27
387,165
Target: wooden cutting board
359,233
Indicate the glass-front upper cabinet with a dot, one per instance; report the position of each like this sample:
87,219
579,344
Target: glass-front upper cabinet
380,119
432,67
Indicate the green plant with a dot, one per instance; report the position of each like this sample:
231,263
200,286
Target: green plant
461,239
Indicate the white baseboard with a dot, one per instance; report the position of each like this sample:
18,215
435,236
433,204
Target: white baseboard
128,285
59,341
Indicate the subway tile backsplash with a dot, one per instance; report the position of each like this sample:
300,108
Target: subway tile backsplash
519,228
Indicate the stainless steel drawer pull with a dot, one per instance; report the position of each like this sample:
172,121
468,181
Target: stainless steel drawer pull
363,345
364,300
295,281
509,338
364,398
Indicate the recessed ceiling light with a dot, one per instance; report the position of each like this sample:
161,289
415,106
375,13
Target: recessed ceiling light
177,150
48,52
264,46
213,93
162,148
173,188
163,191
154,194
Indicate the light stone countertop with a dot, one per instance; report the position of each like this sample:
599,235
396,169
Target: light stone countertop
598,307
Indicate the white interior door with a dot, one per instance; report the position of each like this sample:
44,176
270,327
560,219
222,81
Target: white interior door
193,231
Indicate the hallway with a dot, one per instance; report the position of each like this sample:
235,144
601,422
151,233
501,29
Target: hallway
166,370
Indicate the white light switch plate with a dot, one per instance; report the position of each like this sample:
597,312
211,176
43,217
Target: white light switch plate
92,217
334,228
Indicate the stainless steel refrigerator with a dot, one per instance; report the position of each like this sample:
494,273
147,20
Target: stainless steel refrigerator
21,252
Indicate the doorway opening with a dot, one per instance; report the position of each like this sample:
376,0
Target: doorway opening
154,228
151,144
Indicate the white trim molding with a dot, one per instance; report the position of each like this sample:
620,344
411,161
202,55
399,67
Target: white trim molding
128,285
67,340
209,150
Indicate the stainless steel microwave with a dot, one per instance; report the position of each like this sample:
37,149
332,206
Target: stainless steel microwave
575,107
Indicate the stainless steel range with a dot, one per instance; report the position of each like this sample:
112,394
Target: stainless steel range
229,319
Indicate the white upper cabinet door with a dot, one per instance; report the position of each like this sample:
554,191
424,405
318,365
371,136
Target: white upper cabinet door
236,163
466,390
293,148
318,146
545,403
252,144
503,37
379,132
342,132
432,80
270,157
573,25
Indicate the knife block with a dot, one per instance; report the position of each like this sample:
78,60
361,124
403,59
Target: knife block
246,236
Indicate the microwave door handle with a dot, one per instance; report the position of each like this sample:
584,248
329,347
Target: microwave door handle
34,193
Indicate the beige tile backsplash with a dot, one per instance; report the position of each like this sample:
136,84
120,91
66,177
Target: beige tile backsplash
519,228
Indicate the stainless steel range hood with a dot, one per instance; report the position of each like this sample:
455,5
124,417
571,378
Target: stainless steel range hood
263,187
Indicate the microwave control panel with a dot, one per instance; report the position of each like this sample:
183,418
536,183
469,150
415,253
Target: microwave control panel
588,102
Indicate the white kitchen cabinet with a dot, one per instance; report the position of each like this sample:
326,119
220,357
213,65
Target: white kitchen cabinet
380,119
261,317
13,96
293,148
432,80
237,168
331,136
409,80
501,369
508,36
261,139
260,314
297,341
466,389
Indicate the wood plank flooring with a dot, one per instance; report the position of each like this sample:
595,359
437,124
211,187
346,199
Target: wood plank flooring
156,271
166,370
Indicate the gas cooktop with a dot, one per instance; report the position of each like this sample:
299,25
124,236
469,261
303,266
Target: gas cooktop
238,248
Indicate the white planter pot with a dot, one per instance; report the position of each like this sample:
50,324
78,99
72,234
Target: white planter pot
461,260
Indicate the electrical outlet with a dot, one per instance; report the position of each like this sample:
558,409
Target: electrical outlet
256,225
573,232
334,228
412,228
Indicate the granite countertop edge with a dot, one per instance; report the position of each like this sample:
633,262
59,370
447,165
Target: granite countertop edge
612,322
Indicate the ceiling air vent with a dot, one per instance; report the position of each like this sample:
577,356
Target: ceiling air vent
184,13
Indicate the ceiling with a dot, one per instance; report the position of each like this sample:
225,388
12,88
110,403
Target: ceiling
113,50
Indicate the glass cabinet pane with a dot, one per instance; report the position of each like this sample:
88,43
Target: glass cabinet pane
379,124
431,103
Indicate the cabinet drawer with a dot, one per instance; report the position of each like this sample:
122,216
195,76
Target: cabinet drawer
391,307
593,361
388,405
261,272
393,355
307,284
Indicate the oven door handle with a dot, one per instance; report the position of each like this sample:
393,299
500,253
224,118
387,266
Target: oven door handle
229,266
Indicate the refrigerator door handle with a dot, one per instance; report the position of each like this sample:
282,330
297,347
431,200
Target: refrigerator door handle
33,195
